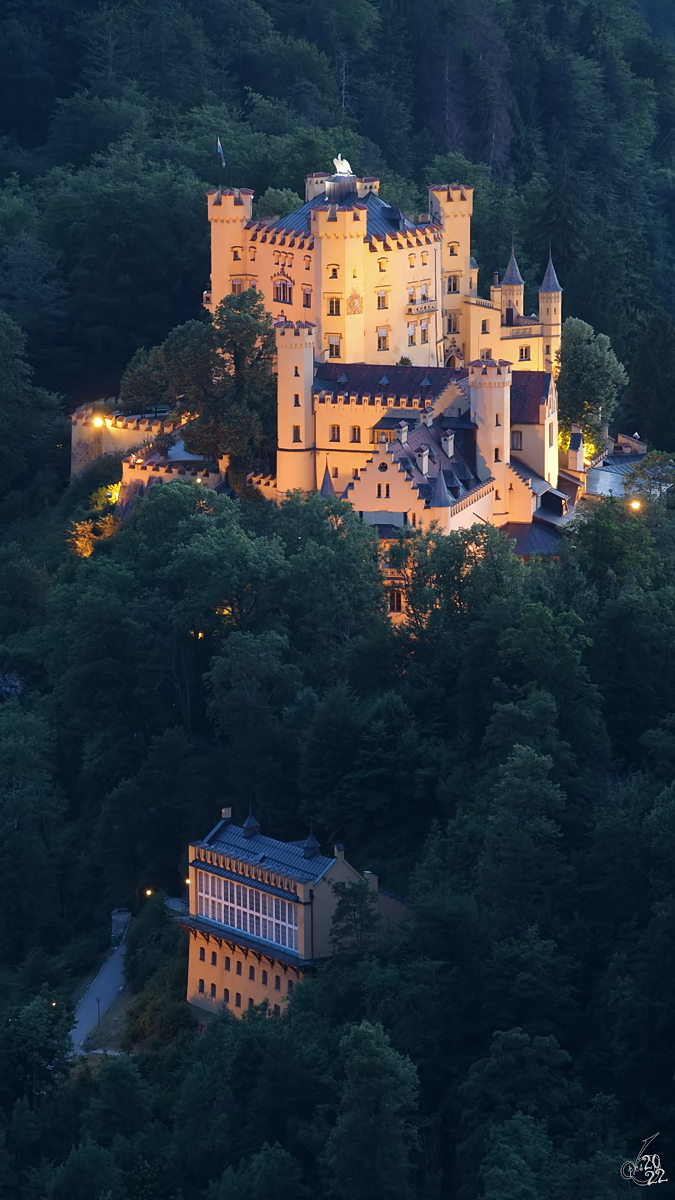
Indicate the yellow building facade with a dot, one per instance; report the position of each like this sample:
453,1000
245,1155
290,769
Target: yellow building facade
260,914
400,389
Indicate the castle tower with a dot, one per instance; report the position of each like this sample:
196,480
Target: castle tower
295,422
452,206
340,271
550,315
512,292
232,259
490,392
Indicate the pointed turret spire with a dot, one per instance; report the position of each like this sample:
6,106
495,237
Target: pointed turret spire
550,281
440,497
512,275
310,847
250,826
327,488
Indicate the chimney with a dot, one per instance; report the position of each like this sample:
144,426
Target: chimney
339,852
226,814
495,279
427,417
448,443
402,432
422,459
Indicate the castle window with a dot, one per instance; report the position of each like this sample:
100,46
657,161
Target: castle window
306,298
485,327
202,954
283,292
382,339
296,433
296,400
550,433
497,496
277,1010
355,472
334,306
250,1002
453,323
355,433
452,249
296,373
334,346
497,421
227,964
453,283
382,264
333,272
386,491
547,349
237,1000
236,287
424,256
411,335
236,254
486,354
277,983
251,253
379,491
308,262
411,260
424,293
213,991
497,454
335,472
251,972
382,300
238,968
411,295
524,353
226,995
335,433
214,959
395,600
516,439
291,985
200,986
264,977
414,519
424,333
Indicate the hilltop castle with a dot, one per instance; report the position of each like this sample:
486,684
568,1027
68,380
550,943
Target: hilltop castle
468,429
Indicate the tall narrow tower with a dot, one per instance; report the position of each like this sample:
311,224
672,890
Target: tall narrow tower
512,292
490,391
295,419
550,315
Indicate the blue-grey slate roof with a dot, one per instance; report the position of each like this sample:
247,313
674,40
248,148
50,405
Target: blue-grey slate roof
532,539
550,281
512,275
283,858
382,219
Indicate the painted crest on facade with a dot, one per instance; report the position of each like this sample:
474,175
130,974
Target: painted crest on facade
354,303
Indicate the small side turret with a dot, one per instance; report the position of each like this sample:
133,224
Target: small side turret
550,315
512,292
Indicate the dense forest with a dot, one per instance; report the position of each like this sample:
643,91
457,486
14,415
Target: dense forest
504,757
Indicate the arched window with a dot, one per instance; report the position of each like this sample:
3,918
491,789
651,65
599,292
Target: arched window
283,292
411,260
382,264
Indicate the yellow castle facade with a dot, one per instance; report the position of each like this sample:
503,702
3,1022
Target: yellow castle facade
400,389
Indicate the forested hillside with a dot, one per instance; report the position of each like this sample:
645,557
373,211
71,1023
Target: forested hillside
561,114
504,758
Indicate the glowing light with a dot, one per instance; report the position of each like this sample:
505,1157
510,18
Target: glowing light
199,479
635,504
187,880
98,420
148,891
53,1003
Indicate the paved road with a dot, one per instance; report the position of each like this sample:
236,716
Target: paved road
106,986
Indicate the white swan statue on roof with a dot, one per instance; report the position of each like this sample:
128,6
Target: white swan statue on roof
341,165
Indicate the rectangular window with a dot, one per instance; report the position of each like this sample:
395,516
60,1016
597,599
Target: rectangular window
227,964
394,600
497,454
386,491
200,986
202,954
296,433
251,972
424,329
334,437
524,353
356,433
264,977
277,1010
283,292
236,287
333,272
306,298
250,1002
236,255
213,991
277,983
382,301
484,327
334,307
334,347
424,293
237,1000
291,985
382,339
296,400
453,283
453,323
411,335
411,295
379,491
550,433
214,959
238,968
226,995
